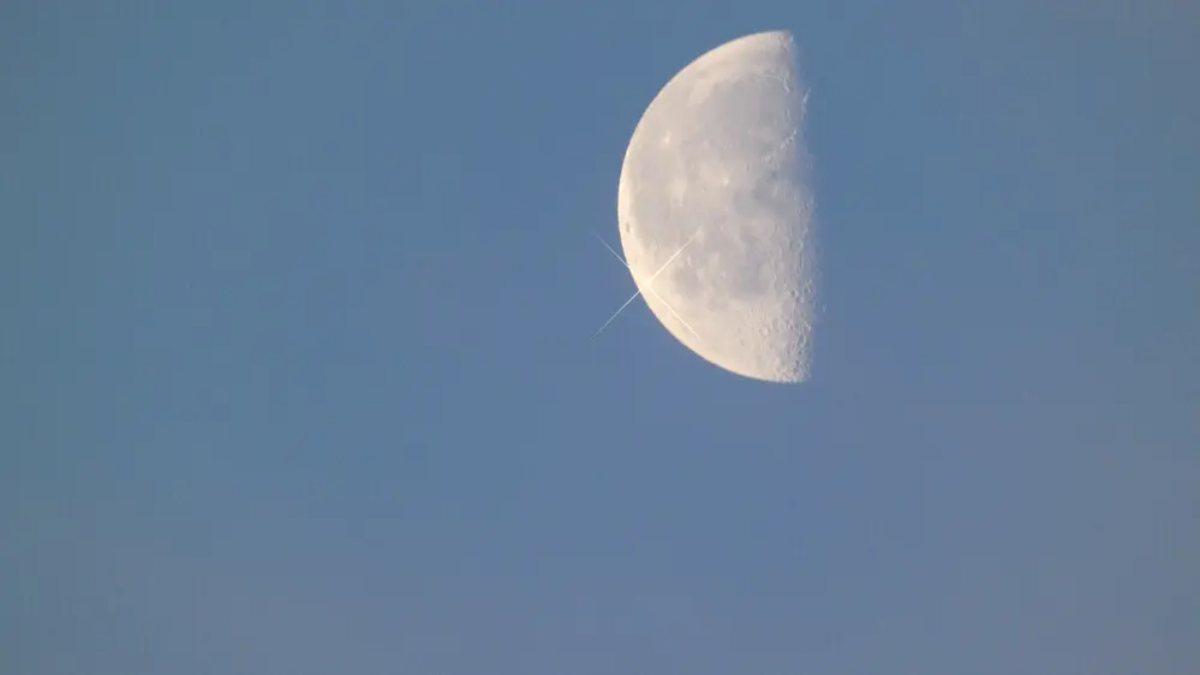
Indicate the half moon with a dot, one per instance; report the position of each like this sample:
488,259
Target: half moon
716,212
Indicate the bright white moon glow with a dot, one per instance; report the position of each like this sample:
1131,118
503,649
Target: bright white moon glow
717,168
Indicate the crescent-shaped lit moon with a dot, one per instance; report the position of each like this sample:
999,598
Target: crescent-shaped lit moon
716,212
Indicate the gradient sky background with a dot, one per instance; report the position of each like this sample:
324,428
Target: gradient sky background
296,304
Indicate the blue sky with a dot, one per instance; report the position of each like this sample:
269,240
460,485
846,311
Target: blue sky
297,375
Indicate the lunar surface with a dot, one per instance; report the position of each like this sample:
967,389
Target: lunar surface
716,212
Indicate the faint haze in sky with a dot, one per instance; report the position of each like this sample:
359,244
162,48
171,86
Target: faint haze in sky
296,302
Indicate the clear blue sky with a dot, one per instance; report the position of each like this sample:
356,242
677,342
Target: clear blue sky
296,375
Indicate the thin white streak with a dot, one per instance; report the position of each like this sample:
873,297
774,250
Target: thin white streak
647,285
610,250
619,309
674,313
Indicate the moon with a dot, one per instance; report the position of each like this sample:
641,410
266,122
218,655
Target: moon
716,211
